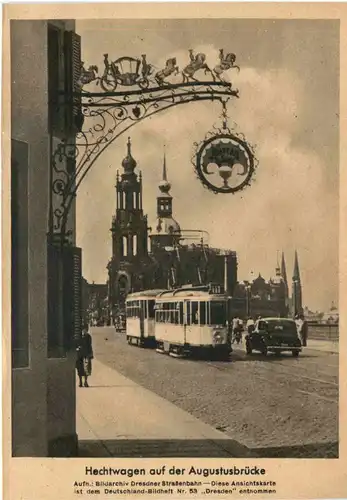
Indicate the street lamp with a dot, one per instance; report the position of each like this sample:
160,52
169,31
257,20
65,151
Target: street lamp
248,300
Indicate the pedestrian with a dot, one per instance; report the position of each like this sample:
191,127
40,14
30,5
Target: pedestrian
298,322
84,356
250,325
237,330
303,331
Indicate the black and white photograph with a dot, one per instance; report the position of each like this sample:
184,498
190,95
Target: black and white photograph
174,187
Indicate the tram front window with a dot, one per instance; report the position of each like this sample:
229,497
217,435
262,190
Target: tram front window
218,313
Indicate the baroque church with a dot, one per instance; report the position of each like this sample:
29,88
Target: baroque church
167,256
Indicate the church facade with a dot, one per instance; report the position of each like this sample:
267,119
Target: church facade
167,256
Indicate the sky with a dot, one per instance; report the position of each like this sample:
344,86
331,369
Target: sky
288,110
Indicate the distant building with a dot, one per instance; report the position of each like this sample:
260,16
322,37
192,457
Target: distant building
261,298
313,316
95,303
331,317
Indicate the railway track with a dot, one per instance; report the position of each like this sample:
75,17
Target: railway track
318,388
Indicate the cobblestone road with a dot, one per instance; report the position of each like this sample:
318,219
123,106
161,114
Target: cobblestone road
260,402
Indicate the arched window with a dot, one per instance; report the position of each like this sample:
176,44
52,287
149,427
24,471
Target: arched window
134,200
134,244
125,246
124,200
149,244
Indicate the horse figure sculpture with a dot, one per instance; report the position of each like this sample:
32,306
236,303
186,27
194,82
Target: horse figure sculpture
170,67
226,63
87,75
147,69
196,63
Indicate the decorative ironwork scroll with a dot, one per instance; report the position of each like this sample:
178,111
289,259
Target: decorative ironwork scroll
105,113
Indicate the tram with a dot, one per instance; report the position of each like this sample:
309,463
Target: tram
193,319
140,318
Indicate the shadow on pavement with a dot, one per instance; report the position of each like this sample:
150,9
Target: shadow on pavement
164,448
178,448
314,450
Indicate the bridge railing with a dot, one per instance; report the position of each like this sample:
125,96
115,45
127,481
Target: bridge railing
323,332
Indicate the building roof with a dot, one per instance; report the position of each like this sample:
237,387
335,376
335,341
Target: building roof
145,293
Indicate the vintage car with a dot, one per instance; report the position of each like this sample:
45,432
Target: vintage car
274,335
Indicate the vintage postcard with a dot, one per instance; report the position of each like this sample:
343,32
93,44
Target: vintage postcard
174,251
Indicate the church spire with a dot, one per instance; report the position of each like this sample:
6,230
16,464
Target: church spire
164,166
164,184
296,273
297,291
284,270
278,269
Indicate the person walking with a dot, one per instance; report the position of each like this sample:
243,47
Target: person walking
250,325
303,331
237,330
84,356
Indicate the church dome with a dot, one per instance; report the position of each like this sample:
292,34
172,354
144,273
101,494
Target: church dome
166,226
129,164
164,186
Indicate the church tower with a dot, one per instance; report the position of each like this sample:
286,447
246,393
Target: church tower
296,290
279,289
129,226
129,234
166,231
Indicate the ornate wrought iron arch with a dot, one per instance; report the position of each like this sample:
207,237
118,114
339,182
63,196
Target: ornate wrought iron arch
103,118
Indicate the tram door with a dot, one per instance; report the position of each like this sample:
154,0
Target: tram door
186,320
142,308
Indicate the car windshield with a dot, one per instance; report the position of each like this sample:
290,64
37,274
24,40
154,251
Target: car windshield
218,313
282,327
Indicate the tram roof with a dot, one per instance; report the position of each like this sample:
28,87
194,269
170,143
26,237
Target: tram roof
145,294
174,294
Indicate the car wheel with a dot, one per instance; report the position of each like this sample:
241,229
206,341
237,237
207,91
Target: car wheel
295,354
248,348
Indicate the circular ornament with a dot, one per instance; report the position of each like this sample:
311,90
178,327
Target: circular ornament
224,162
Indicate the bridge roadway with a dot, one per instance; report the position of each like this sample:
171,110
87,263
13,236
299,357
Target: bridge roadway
262,402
